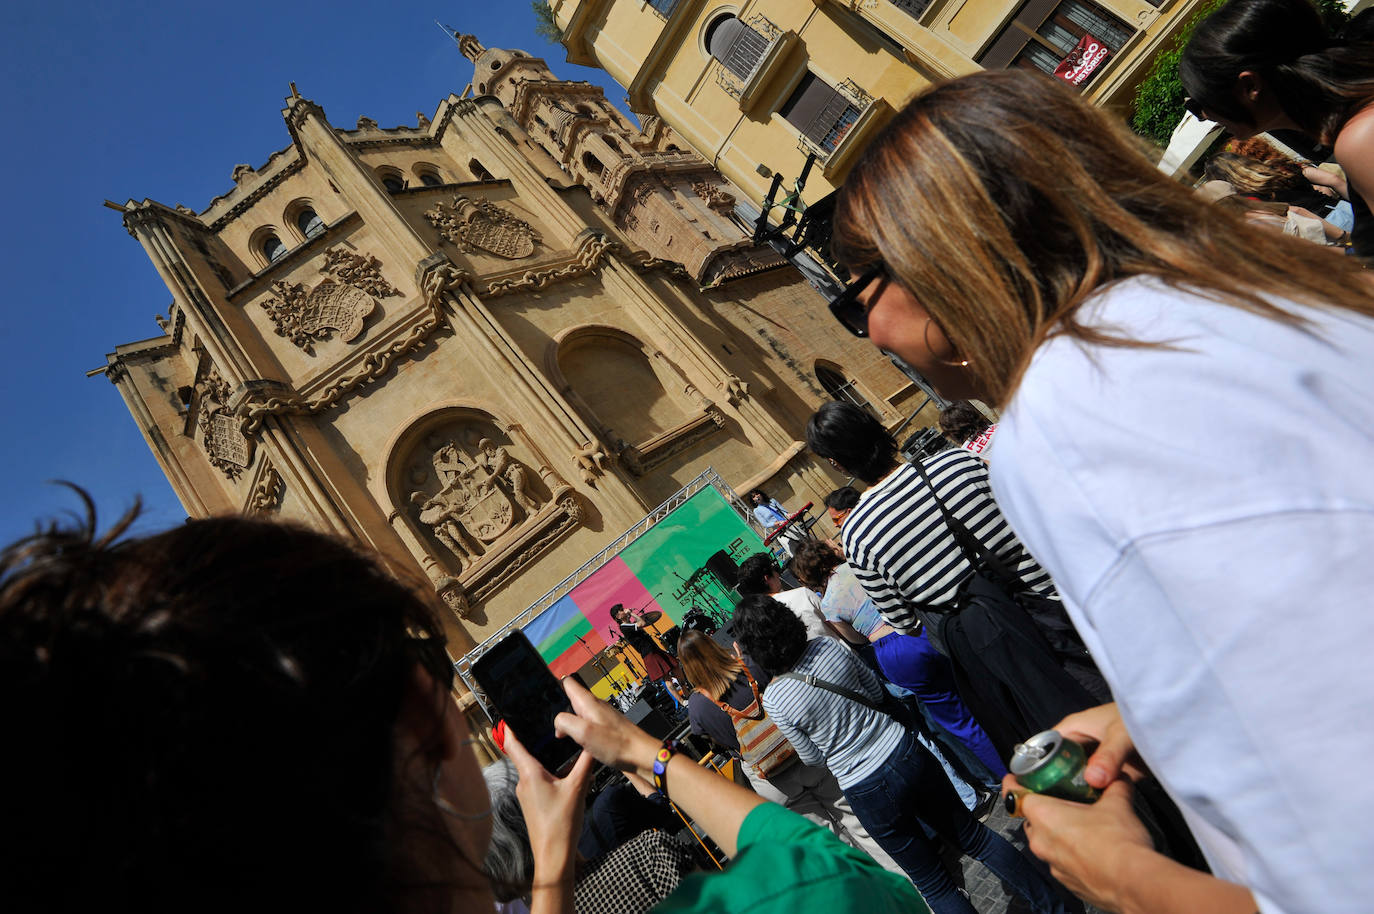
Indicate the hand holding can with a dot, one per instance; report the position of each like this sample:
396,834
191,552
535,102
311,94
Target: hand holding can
1052,764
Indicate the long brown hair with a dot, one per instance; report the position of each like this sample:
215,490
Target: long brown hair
708,666
1002,201
1255,178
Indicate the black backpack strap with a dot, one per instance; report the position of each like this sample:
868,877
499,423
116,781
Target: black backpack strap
975,552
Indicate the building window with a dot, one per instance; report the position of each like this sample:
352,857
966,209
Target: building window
430,179
820,112
738,47
272,248
479,171
592,164
309,223
393,183
913,8
1046,35
841,388
663,7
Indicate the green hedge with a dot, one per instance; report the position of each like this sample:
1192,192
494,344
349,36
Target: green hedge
1159,97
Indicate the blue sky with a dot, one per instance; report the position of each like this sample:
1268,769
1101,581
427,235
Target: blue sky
161,100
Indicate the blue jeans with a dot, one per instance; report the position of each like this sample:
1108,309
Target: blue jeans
967,793
912,663
908,789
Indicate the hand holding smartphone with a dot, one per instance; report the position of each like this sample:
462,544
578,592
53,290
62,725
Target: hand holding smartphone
523,692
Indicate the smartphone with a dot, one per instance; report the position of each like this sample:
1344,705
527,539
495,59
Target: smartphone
523,692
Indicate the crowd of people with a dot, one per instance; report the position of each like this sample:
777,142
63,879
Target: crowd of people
1156,551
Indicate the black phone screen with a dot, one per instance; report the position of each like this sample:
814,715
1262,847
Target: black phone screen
524,692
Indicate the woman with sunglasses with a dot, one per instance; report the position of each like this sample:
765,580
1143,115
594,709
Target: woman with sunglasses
1184,445
1258,65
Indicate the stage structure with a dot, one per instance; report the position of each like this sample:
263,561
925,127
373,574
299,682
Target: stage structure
679,560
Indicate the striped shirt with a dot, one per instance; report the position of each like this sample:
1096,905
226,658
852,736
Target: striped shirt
904,555
850,739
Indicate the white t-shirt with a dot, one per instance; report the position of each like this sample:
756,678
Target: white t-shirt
980,442
1207,511
805,605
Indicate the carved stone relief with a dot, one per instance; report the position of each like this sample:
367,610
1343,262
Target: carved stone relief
267,493
486,505
229,450
340,303
455,599
715,196
469,223
475,494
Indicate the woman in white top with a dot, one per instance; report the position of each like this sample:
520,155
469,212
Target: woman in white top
1184,445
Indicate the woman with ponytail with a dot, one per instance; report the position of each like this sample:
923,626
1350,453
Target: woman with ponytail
1260,65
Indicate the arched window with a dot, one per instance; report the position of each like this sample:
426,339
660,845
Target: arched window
272,248
841,388
738,47
393,184
479,171
430,179
615,147
592,164
614,378
309,223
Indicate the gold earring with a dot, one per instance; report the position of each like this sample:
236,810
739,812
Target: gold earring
925,337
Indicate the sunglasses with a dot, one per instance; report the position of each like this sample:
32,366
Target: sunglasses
846,307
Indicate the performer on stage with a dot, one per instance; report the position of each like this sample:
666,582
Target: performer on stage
634,632
772,515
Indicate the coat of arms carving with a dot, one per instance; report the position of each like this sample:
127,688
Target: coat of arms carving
228,449
339,303
470,223
477,500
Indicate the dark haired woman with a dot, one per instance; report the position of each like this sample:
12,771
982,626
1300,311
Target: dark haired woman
1020,669
1184,444
719,677
907,661
895,786
1258,65
963,425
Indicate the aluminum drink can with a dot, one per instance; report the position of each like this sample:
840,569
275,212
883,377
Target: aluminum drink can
1051,764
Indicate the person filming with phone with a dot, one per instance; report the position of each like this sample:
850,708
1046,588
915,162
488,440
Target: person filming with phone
240,714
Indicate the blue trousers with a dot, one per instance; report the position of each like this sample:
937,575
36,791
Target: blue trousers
912,663
908,789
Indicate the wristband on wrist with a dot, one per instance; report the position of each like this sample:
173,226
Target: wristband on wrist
665,753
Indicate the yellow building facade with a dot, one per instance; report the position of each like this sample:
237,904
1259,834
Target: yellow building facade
756,86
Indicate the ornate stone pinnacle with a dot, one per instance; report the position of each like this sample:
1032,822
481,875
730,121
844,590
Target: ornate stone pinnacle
470,47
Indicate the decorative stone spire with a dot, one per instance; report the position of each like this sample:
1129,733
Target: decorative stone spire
470,47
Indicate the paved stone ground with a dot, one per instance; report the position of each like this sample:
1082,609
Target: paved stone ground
985,890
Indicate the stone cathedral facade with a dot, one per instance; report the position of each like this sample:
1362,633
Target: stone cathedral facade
483,345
